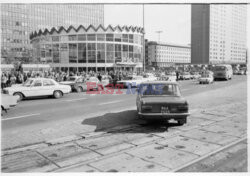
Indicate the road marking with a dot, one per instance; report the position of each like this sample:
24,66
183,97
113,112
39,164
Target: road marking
18,117
111,102
76,99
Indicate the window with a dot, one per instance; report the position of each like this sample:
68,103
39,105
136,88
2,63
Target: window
72,53
37,83
101,37
131,38
55,39
91,52
72,37
101,52
118,37
91,37
48,83
110,37
125,37
82,37
82,52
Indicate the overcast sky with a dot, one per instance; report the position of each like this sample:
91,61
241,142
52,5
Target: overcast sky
173,20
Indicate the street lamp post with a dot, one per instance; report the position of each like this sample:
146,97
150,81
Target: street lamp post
159,35
143,53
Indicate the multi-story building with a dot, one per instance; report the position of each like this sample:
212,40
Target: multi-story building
19,20
167,54
91,47
218,34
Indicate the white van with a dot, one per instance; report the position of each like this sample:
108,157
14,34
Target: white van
224,71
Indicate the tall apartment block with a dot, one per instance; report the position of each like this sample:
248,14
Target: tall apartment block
218,34
19,20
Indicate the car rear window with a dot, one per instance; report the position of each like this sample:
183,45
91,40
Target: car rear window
159,89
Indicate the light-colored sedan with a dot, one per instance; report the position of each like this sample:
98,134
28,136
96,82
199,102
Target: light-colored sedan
36,87
206,77
133,81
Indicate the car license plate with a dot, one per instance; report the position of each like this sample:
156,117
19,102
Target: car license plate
164,109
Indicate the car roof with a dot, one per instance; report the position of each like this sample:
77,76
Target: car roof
159,82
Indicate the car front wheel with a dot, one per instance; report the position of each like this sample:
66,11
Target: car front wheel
57,94
20,96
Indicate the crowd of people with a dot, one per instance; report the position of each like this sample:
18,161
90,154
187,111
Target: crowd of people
18,77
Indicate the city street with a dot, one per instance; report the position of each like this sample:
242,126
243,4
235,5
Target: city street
82,132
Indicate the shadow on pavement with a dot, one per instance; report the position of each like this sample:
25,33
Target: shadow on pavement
106,122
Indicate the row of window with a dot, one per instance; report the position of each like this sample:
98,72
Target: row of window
82,52
129,38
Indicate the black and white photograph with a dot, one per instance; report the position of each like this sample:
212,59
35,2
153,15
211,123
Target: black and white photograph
128,86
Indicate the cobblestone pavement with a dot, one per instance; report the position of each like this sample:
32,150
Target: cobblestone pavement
140,147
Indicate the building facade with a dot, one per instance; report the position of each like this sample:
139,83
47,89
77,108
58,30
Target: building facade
90,48
166,54
218,34
19,20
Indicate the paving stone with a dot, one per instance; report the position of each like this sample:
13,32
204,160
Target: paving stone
21,149
114,148
200,121
189,145
228,130
28,161
169,157
82,168
214,117
63,140
207,136
100,142
67,154
127,163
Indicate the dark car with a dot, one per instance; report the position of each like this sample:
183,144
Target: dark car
161,100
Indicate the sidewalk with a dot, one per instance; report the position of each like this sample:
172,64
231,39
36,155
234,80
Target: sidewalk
141,147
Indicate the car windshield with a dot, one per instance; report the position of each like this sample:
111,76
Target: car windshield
219,68
127,78
71,78
159,89
28,82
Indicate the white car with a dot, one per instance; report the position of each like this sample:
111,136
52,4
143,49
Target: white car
35,87
206,77
133,81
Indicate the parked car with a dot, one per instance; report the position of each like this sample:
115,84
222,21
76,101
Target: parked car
206,77
168,77
36,87
8,101
241,72
195,75
132,81
80,84
73,82
105,80
185,76
149,77
161,100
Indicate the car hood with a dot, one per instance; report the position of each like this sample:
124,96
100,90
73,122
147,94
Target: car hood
163,99
67,82
16,88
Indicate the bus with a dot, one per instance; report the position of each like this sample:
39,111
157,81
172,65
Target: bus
224,71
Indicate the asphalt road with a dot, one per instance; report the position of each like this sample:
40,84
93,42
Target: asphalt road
33,112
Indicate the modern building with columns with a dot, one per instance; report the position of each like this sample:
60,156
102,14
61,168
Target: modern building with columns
90,48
